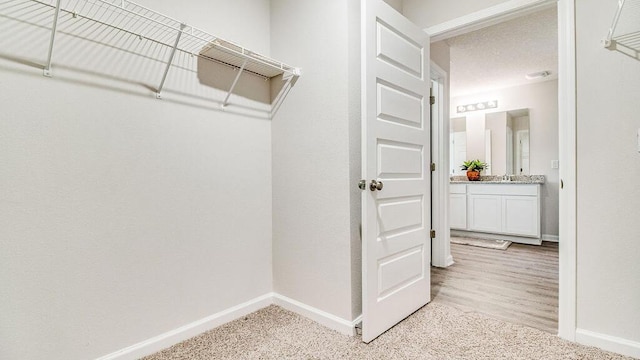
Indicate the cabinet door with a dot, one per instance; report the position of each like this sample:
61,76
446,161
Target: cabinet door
521,216
458,211
485,213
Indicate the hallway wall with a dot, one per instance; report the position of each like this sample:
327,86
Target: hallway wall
608,206
313,233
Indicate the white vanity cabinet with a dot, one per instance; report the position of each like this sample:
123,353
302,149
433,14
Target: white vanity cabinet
458,206
506,209
485,213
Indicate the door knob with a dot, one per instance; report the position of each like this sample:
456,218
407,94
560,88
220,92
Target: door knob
376,185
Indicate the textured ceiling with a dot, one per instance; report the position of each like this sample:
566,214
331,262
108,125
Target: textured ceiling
501,55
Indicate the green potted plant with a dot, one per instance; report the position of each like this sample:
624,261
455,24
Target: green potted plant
473,167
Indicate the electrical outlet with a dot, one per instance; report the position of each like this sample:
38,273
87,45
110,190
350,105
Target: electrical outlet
555,164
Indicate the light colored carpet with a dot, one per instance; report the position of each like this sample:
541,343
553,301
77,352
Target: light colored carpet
485,243
434,332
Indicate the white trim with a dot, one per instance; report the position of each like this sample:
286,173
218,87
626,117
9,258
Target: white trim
567,115
185,332
552,238
450,259
486,17
329,320
608,342
440,248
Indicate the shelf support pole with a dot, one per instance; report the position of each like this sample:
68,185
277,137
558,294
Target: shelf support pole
170,61
235,82
54,28
609,43
283,93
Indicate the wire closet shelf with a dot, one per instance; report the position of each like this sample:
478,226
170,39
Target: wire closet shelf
134,19
625,27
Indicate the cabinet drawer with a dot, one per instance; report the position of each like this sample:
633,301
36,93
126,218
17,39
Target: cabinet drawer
457,188
503,189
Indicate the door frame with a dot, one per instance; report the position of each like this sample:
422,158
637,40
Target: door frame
508,10
440,246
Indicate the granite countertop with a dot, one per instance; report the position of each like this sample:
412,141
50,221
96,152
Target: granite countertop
497,179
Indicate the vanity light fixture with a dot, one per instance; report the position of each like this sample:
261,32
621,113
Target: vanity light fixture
477,106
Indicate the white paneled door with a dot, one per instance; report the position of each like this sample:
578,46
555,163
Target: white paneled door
396,200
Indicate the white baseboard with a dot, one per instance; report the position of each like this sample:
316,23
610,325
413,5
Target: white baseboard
553,238
450,260
185,332
329,320
609,343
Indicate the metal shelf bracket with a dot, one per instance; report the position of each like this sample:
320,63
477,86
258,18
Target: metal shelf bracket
235,82
173,53
54,28
624,33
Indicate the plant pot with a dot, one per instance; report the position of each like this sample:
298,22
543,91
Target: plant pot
473,175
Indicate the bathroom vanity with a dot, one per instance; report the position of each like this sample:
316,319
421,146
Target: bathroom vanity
508,210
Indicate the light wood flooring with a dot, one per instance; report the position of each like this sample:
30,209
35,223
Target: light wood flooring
519,285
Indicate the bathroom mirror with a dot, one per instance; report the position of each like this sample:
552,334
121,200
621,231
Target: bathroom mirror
509,142
457,144
500,139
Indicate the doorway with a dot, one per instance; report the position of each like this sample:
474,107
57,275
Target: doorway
567,135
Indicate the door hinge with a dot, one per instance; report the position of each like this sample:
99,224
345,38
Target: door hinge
432,100
433,166
432,234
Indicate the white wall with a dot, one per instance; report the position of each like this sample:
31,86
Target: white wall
396,4
312,228
440,54
426,13
542,101
608,194
123,216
